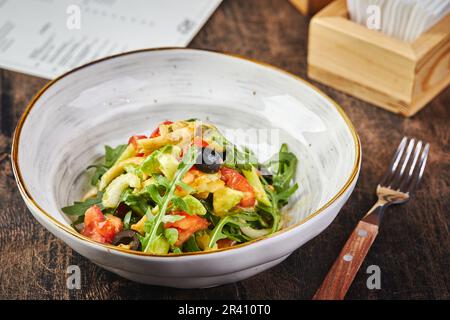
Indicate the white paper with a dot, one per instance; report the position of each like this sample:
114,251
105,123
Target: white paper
49,37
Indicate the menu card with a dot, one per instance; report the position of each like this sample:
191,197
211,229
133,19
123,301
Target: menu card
48,37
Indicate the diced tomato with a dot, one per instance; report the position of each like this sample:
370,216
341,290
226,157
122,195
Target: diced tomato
133,140
106,230
99,228
155,132
92,217
187,227
116,222
225,243
236,181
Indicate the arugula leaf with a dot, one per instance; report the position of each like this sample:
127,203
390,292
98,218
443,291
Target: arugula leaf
111,156
253,218
179,203
139,203
172,218
283,196
79,208
142,239
186,187
230,227
191,245
240,158
78,221
153,192
217,233
284,167
162,181
99,171
234,234
163,202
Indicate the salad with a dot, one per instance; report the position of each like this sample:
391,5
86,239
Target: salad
184,188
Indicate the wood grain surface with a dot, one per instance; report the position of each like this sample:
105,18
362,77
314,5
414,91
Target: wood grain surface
412,248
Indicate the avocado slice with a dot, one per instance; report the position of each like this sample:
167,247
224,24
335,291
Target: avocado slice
163,160
111,197
225,199
253,178
194,205
159,246
168,165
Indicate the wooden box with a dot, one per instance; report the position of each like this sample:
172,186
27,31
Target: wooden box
395,75
309,7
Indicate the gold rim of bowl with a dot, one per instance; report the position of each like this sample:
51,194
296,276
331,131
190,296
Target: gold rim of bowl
73,232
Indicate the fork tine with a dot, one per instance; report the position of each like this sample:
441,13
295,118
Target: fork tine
406,180
395,161
397,174
417,177
404,163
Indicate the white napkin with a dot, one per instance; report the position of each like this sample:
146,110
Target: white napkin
402,19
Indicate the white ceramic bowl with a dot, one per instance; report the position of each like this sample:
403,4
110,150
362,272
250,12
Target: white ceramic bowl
69,121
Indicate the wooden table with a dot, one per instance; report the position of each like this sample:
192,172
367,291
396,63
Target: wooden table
412,249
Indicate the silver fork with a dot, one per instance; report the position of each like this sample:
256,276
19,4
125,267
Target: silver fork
405,172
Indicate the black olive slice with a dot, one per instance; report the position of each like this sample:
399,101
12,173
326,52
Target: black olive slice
208,160
127,237
224,155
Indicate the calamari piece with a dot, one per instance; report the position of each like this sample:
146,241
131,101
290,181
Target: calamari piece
116,170
129,152
203,183
181,137
111,197
90,194
254,233
139,226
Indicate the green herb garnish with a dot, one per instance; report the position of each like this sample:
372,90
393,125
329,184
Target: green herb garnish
163,202
111,156
79,208
283,166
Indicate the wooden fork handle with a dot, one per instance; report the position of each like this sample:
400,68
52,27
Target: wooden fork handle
344,269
